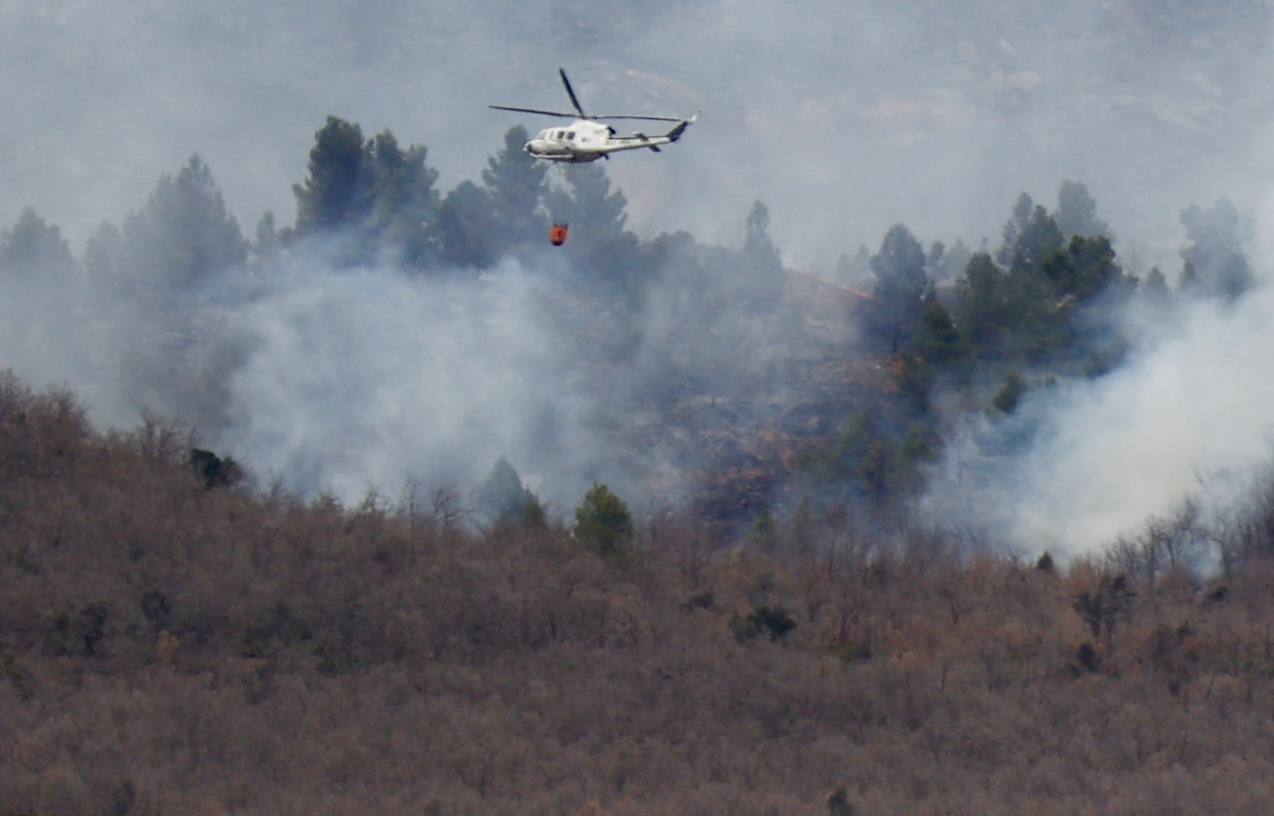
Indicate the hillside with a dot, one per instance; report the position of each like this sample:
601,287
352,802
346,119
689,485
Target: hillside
845,459
168,647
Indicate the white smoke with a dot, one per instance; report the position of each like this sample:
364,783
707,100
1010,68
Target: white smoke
1189,414
351,380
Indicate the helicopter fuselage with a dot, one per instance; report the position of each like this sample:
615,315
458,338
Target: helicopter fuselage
586,141
579,141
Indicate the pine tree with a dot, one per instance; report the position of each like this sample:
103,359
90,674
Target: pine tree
1214,262
1039,238
600,245
761,271
1077,213
466,227
376,195
404,204
1085,269
1014,228
900,287
502,498
33,247
184,234
516,185
336,192
982,303
603,522
936,340
589,203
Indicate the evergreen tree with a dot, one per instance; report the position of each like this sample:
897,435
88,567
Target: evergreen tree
602,521
1010,314
1085,269
1018,308
761,271
466,227
1038,239
1214,263
596,214
589,202
404,204
516,185
756,234
379,196
982,302
502,498
1035,325
1077,212
936,340
898,296
33,247
336,192
1014,229
185,232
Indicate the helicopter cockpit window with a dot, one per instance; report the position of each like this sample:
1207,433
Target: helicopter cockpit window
559,134
570,134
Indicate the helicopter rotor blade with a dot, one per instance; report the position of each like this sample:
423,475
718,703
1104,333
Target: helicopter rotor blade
645,118
571,93
559,114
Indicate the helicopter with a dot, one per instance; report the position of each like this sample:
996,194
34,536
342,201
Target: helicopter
587,138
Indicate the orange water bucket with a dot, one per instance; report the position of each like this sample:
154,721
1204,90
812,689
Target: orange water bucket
557,235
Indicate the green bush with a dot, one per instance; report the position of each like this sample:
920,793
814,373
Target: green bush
774,621
602,521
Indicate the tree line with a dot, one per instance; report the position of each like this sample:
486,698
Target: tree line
976,322
992,325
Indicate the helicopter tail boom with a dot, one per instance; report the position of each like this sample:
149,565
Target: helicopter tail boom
680,128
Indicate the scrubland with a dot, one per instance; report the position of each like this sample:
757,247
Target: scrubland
173,648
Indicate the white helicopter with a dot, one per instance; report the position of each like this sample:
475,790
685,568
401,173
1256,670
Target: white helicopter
586,139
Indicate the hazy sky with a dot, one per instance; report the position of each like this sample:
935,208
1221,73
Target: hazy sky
844,117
